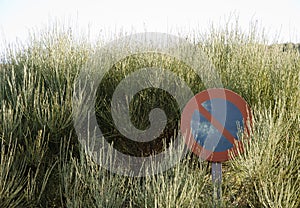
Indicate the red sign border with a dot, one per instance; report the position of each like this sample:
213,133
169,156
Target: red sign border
195,103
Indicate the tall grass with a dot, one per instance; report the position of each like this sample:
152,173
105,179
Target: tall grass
42,163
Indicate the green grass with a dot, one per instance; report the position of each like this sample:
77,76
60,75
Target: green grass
43,165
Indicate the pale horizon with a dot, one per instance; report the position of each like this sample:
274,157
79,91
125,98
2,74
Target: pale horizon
107,18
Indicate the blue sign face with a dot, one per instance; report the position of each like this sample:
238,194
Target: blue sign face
205,133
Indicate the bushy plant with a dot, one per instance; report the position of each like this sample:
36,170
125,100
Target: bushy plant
43,164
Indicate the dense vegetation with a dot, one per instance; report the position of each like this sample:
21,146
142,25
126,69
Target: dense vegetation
42,163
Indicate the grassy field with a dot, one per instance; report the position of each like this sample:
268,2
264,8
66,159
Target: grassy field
43,165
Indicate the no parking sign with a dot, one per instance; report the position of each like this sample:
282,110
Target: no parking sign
212,123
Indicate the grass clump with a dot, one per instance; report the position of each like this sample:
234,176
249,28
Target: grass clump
42,163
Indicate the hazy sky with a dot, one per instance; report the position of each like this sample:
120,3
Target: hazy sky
277,16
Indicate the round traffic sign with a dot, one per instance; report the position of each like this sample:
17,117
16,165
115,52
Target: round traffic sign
212,123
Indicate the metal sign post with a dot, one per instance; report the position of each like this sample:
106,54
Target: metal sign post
216,172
